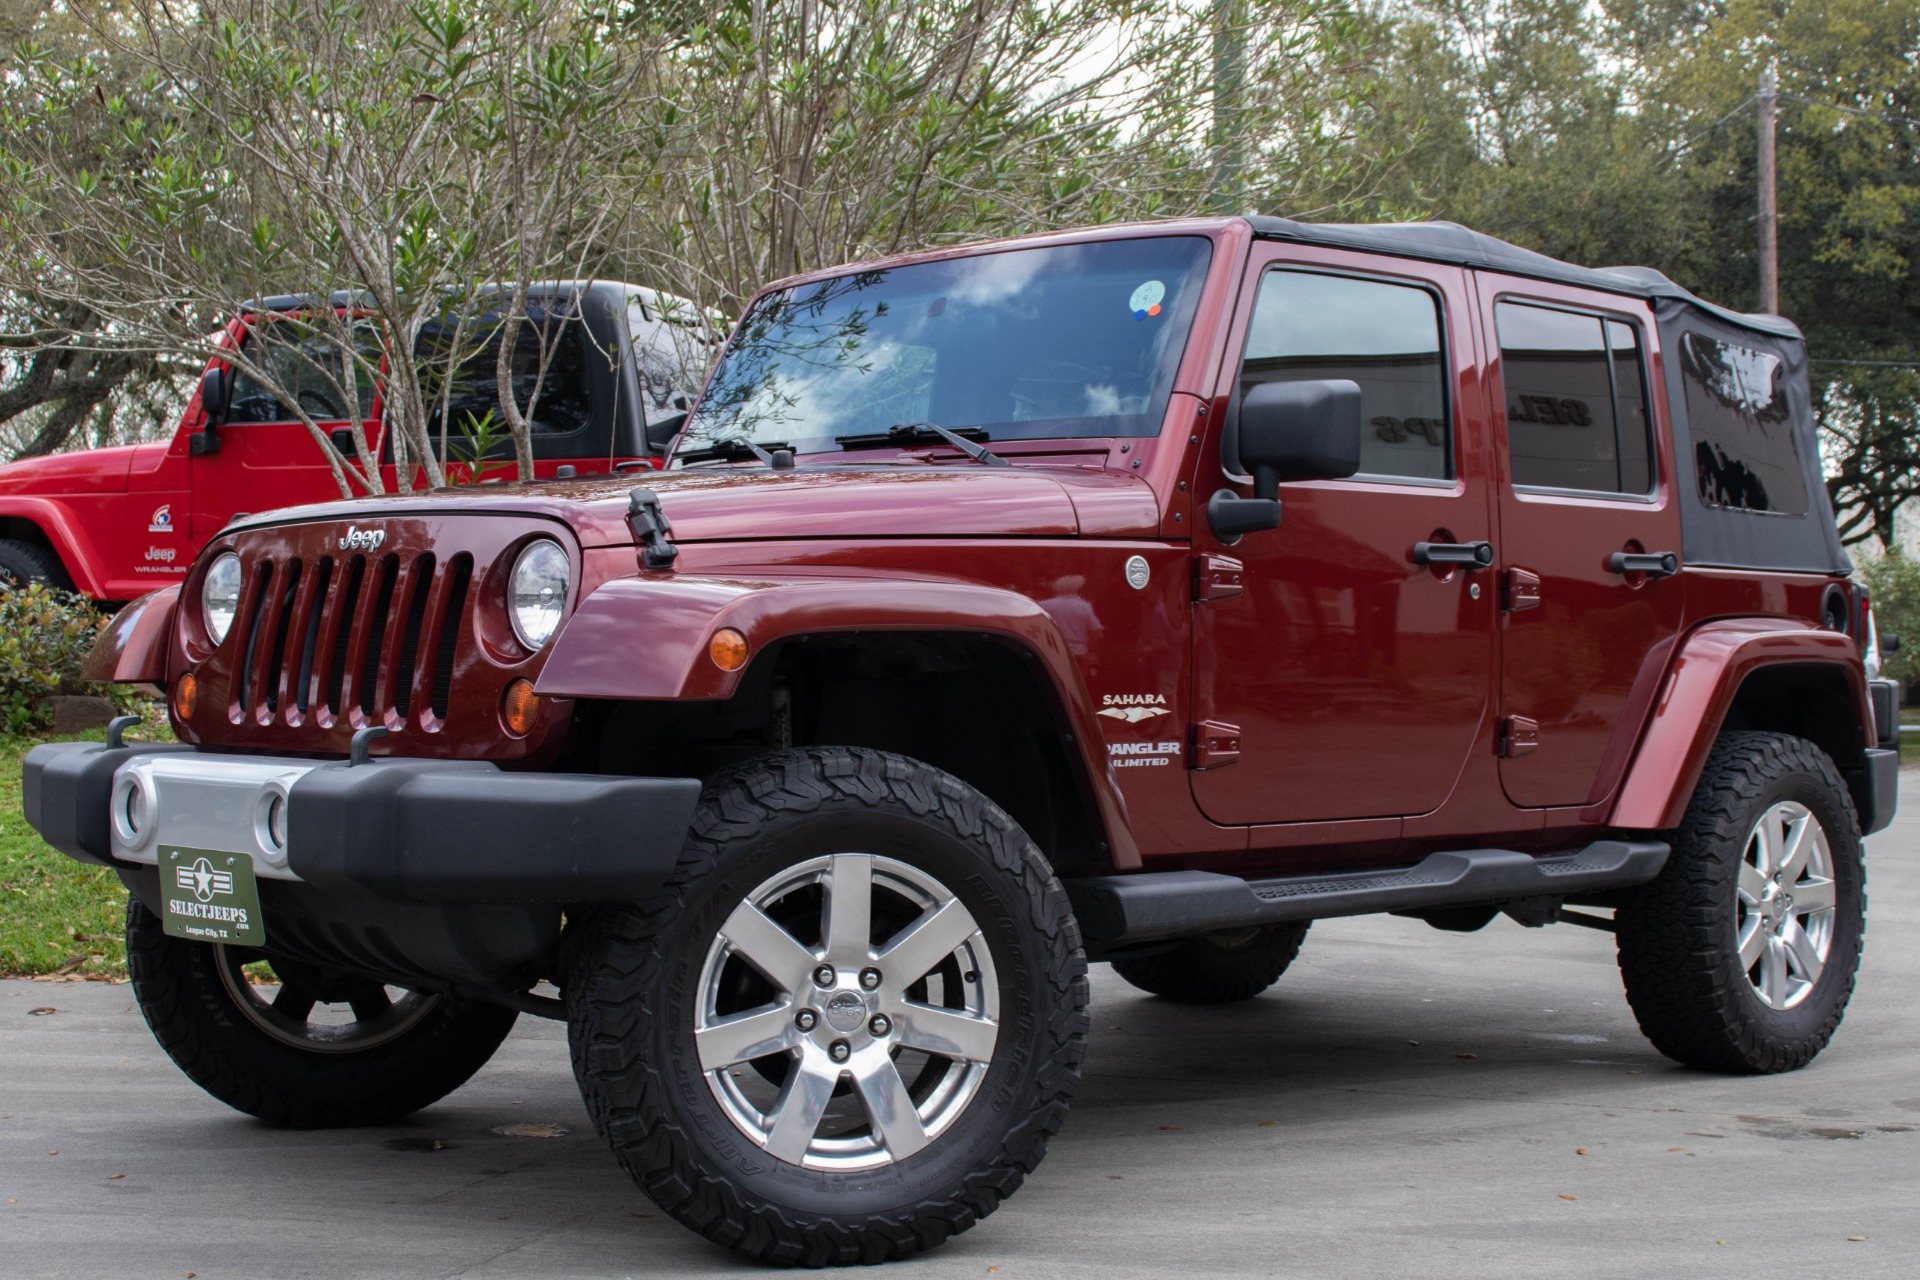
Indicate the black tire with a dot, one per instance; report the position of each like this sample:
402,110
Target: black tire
22,562
1678,941
634,982
223,1049
1220,969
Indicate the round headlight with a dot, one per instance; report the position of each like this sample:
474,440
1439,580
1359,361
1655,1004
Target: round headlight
537,592
220,595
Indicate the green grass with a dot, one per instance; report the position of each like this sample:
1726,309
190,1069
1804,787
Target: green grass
56,915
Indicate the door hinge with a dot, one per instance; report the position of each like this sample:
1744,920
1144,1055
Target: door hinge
1216,577
1214,744
1519,736
1522,591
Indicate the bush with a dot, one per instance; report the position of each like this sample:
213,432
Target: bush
45,635
1894,580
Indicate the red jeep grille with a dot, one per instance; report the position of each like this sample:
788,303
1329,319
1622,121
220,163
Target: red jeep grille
329,637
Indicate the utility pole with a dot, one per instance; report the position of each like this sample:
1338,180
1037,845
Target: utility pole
1769,208
1229,77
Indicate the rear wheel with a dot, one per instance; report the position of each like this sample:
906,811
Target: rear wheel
22,562
847,1026
1741,956
1220,968
305,1050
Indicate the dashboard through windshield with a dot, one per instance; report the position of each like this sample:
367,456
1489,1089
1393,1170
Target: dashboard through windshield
1025,344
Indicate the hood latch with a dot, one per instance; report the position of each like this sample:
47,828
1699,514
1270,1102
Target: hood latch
650,529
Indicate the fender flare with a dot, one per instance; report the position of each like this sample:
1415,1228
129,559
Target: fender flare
1702,681
133,648
646,639
68,541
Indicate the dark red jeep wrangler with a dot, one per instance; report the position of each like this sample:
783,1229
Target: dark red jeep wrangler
115,523
1140,594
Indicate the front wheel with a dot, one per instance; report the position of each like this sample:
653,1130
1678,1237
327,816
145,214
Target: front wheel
309,1050
847,1026
1741,955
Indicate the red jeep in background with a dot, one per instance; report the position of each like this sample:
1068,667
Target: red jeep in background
115,523
1136,595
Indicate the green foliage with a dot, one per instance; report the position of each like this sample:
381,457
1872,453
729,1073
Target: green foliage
1894,580
44,637
479,438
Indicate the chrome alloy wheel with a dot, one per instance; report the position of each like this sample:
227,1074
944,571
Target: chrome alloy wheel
849,1010
296,1016
1786,904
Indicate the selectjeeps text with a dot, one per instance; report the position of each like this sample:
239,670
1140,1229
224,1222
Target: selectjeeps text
1141,595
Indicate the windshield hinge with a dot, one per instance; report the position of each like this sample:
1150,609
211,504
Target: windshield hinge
1217,577
650,529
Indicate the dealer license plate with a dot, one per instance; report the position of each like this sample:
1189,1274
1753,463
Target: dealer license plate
211,897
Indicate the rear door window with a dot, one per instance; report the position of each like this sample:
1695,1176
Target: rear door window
1576,401
1383,336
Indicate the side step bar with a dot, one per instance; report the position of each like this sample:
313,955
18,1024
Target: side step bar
1120,910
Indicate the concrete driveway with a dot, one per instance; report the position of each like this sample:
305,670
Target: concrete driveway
1404,1103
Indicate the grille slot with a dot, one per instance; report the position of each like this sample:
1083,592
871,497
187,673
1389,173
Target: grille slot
343,617
459,575
289,592
250,638
322,579
389,570
419,587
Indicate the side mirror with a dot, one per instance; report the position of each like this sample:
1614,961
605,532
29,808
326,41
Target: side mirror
662,430
216,396
1286,431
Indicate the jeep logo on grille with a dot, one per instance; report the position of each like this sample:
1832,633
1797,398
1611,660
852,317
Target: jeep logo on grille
362,539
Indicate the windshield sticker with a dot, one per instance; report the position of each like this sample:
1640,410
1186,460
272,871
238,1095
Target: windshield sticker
1146,299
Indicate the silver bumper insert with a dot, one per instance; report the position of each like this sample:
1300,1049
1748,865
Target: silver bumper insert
234,804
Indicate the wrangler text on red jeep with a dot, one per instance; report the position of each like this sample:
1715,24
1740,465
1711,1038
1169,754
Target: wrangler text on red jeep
1141,595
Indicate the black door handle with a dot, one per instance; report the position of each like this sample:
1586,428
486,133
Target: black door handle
1475,555
1655,564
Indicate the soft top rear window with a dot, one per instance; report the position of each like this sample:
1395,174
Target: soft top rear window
1744,454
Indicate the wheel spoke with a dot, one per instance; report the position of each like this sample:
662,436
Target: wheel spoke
796,1113
767,947
1773,973
292,1003
1806,956
1753,884
1767,836
1753,940
849,924
946,1032
890,1106
1802,836
1813,896
925,943
744,1037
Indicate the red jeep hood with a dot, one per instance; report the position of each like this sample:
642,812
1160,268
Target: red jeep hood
737,504
88,471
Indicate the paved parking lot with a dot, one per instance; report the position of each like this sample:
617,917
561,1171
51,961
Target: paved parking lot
1405,1103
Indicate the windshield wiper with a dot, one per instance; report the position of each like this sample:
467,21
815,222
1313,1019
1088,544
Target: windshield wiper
915,432
739,449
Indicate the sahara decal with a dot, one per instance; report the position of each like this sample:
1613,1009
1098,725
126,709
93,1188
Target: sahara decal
1132,708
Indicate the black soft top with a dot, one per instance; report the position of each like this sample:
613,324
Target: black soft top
1452,243
1746,445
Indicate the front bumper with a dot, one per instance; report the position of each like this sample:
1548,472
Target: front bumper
404,830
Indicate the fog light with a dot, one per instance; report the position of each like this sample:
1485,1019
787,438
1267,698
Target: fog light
186,696
728,649
519,707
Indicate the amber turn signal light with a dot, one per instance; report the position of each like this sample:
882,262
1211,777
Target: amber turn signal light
728,649
186,696
519,707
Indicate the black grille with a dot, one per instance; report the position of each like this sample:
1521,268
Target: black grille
305,631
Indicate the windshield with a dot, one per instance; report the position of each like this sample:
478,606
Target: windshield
1072,340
